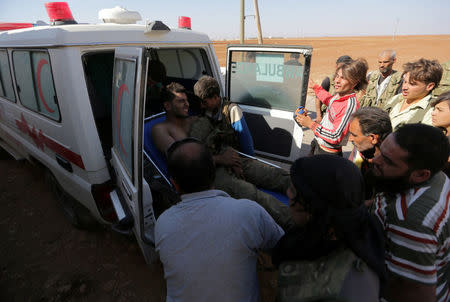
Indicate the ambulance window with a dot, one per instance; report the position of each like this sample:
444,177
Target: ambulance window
43,80
267,79
35,82
6,86
24,79
184,66
123,109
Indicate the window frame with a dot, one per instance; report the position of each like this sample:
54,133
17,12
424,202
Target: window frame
11,77
114,147
35,89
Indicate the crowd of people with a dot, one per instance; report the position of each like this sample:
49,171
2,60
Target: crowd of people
373,227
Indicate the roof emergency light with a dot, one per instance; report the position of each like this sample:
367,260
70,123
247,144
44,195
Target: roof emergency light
59,13
184,22
13,25
119,15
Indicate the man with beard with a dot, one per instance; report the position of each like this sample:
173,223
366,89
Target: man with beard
384,83
412,205
368,128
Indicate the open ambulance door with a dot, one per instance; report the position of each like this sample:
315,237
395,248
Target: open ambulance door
269,82
130,64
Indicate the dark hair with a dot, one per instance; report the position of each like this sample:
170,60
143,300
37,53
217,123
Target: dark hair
423,70
442,97
168,92
373,120
343,59
427,146
355,71
206,87
332,190
157,71
191,165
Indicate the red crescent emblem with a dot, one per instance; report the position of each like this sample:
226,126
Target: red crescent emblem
41,64
122,88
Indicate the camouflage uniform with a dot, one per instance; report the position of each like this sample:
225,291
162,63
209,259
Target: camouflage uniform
330,278
444,85
370,97
218,135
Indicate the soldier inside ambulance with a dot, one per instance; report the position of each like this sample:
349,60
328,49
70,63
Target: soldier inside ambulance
336,250
155,81
384,83
237,176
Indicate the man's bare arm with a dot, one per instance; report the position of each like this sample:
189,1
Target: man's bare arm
401,290
162,137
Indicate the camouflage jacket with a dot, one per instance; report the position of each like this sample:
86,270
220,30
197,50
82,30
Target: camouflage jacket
217,134
318,280
444,85
370,97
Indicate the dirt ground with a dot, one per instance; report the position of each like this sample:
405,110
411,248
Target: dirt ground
43,258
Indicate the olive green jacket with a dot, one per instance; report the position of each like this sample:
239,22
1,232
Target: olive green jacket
370,97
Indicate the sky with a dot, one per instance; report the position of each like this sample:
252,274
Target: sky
279,18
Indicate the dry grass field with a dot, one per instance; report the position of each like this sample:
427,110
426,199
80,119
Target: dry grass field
327,49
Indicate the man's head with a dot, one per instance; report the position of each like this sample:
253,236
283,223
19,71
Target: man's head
294,56
386,60
420,78
410,156
368,128
191,166
174,100
208,90
343,59
350,75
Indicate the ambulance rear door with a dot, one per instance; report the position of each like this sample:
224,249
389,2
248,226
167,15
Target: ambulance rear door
126,156
269,82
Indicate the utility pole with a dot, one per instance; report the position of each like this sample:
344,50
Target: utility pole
395,28
242,20
258,22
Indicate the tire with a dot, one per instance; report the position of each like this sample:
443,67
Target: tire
78,215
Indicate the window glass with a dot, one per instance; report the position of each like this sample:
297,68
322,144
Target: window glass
24,79
184,63
123,111
6,86
267,79
44,90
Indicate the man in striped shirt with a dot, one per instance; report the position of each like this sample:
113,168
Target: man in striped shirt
413,207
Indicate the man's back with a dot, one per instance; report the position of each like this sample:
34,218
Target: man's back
208,245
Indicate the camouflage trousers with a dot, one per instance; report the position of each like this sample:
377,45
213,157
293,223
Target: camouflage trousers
260,175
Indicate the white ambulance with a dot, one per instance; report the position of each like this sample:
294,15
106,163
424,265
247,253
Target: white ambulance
77,99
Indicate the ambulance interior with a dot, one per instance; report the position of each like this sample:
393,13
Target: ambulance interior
185,66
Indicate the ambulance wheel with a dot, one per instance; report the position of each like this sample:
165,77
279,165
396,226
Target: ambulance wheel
76,213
